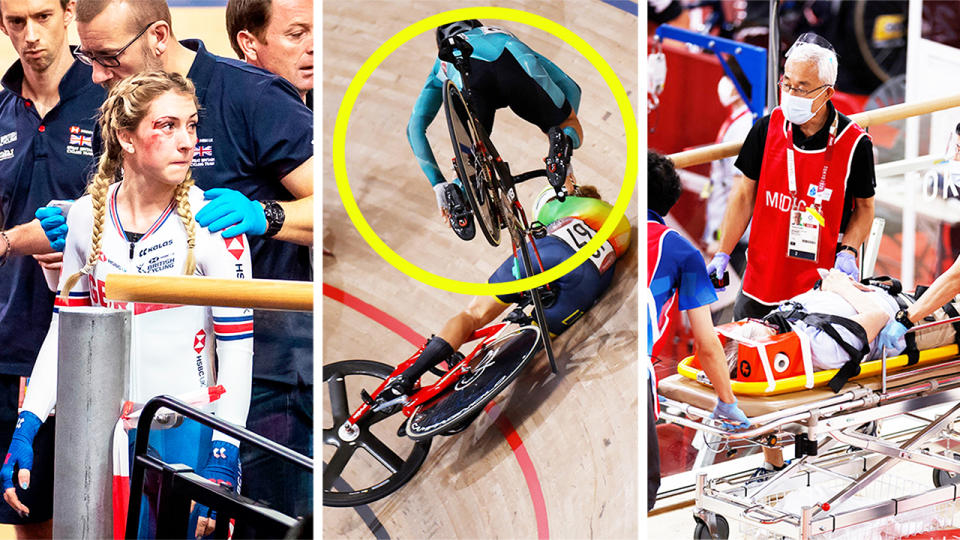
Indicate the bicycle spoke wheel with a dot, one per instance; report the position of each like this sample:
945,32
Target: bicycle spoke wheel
377,462
473,167
494,367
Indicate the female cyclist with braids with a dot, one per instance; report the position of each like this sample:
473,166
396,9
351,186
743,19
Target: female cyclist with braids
137,217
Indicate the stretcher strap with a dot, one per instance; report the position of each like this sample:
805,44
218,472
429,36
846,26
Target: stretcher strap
792,311
851,368
910,338
887,283
807,357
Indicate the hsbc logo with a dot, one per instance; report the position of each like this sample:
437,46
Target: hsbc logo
235,246
200,341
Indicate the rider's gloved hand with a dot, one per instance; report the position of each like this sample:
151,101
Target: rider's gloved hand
19,455
846,262
730,416
230,208
222,467
892,336
718,265
54,225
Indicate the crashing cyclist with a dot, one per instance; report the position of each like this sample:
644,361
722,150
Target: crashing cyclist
569,224
503,72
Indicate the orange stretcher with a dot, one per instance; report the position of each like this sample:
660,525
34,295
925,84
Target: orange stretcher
782,363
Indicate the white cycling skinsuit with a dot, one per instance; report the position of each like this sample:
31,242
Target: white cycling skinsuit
172,347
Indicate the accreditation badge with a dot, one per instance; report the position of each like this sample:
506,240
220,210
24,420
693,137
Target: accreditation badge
804,237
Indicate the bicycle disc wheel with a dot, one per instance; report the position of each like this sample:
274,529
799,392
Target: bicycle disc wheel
352,478
473,169
496,365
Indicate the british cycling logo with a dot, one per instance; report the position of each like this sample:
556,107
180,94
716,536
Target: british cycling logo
203,154
80,141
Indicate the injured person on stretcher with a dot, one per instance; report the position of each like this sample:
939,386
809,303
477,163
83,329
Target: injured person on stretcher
840,320
834,327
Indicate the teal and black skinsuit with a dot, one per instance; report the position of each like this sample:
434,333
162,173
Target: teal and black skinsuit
504,72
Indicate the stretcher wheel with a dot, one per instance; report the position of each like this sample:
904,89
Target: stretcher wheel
362,483
701,530
945,478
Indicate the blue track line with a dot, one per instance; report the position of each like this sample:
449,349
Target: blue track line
626,5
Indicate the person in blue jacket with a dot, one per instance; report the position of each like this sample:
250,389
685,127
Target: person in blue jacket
504,72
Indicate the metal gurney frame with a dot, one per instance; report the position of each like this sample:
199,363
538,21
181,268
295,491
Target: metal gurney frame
820,421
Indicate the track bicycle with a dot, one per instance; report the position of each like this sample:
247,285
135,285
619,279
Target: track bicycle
487,182
445,407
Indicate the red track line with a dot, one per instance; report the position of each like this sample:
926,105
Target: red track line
377,315
526,465
500,419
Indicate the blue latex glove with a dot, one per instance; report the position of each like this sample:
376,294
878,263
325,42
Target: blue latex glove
892,336
846,262
222,467
718,265
19,455
730,416
54,226
231,210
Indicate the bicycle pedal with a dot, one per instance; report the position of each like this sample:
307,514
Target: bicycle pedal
365,396
538,230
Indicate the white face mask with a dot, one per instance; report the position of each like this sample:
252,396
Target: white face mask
797,109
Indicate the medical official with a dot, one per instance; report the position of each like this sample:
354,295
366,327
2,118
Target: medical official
808,186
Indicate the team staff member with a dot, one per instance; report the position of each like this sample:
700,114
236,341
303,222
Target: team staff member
48,108
675,273
807,162
276,35
256,138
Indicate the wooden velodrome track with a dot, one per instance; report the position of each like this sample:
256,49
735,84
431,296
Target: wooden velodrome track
557,455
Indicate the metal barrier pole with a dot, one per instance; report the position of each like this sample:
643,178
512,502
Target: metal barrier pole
93,358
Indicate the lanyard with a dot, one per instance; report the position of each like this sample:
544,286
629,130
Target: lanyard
828,155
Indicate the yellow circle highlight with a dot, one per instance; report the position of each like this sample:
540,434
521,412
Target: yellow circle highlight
466,287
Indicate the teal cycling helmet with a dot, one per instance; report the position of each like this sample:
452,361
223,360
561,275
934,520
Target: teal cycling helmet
451,29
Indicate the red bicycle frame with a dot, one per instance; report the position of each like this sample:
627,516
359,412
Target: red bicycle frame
426,393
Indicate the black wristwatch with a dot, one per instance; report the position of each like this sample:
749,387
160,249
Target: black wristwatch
901,317
274,214
847,248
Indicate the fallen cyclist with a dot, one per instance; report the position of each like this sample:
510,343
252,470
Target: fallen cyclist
570,225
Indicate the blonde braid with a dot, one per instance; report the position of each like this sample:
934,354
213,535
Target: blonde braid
182,196
98,188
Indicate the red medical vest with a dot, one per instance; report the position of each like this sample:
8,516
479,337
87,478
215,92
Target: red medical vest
771,276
